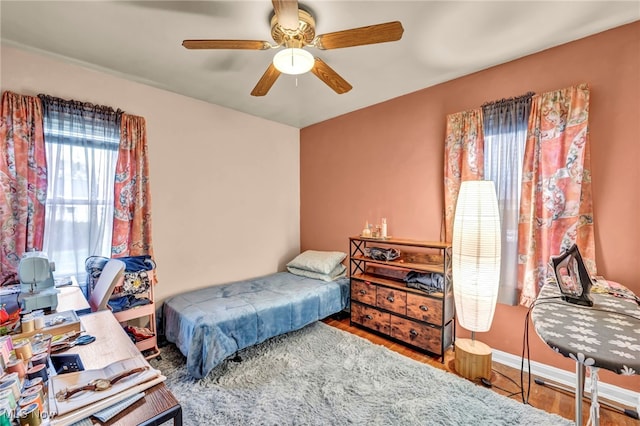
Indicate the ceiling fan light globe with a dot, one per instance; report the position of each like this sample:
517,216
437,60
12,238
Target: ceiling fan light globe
293,61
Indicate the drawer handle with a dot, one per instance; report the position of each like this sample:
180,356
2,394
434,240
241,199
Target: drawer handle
390,299
413,332
424,308
363,292
369,317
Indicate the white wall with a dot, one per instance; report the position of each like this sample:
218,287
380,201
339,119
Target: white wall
224,184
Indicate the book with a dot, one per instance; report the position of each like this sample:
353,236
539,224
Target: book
78,386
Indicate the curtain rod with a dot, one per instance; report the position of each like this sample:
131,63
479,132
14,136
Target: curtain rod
506,100
86,106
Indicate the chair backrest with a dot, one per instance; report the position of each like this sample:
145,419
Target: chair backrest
111,274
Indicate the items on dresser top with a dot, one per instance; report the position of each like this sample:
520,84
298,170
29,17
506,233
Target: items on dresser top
426,281
380,253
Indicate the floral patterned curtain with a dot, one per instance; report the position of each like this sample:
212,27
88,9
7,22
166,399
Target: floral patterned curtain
132,210
556,206
463,159
23,178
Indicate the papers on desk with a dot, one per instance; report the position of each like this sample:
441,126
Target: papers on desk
112,411
64,281
85,403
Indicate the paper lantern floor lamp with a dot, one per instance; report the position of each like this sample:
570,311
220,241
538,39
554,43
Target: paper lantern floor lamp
475,264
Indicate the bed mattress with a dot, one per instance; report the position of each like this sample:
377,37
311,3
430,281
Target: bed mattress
210,324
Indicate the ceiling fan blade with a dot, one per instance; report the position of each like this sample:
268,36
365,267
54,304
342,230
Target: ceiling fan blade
331,78
286,13
226,44
380,33
266,81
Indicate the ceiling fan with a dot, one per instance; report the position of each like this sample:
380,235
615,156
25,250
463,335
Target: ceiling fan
294,29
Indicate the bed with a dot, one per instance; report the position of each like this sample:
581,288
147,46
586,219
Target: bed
210,324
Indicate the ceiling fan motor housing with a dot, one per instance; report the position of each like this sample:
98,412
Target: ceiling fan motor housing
302,36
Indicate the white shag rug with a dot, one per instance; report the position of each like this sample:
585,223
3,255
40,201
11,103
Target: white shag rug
321,375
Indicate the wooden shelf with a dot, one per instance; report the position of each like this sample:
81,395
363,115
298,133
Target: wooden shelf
381,300
422,267
394,284
137,312
145,312
147,344
404,242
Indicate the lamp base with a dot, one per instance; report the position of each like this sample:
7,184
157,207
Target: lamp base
472,359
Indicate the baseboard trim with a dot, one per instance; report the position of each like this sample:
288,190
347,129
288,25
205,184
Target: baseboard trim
613,393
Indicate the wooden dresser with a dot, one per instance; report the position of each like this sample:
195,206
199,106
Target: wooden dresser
383,301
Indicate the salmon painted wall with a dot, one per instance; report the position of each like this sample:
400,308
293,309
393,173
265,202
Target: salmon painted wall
387,161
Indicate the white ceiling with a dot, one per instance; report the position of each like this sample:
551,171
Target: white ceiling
141,41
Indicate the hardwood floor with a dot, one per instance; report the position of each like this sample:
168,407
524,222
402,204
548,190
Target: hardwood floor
505,381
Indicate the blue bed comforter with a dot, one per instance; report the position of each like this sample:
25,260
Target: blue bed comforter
209,324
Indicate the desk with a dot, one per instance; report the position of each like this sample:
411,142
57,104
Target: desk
113,344
606,335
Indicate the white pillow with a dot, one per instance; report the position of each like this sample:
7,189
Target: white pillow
323,262
339,271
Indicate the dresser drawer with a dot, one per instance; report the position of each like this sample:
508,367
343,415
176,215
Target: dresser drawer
392,300
416,334
424,308
363,292
370,318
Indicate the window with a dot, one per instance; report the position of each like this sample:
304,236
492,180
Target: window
81,144
505,134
